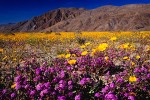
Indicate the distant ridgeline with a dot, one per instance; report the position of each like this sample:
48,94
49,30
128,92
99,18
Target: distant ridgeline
133,17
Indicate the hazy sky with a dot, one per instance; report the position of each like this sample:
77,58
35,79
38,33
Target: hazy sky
12,11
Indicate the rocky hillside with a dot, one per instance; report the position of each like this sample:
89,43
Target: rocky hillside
44,21
133,17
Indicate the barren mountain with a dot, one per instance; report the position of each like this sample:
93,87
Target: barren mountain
133,17
44,21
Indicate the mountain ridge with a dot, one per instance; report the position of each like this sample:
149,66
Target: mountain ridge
132,17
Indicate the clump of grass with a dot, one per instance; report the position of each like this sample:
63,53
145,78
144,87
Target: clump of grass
80,40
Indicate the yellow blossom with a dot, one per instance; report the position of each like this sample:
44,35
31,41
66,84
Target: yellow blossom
138,57
132,63
93,52
113,38
67,50
14,59
73,55
72,62
106,58
148,48
125,58
61,56
102,47
82,47
4,58
124,46
1,50
88,43
132,79
68,56
132,93
84,53
13,86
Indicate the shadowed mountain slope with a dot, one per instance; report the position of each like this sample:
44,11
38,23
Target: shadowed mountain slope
133,17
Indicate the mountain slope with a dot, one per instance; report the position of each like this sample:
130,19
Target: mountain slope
133,17
109,18
46,20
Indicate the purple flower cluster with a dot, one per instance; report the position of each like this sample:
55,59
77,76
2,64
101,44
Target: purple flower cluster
91,78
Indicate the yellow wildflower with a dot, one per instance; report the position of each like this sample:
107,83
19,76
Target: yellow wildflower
125,58
132,45
4,58
126,45
82,47
132,93
133,48
67,50
68,56
113,38
1,50
93,52
84,53
132,63
102,47
73,55
138,57
61,56
13,86
14,59
88,43
132,79
106,58
148,48
72,62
